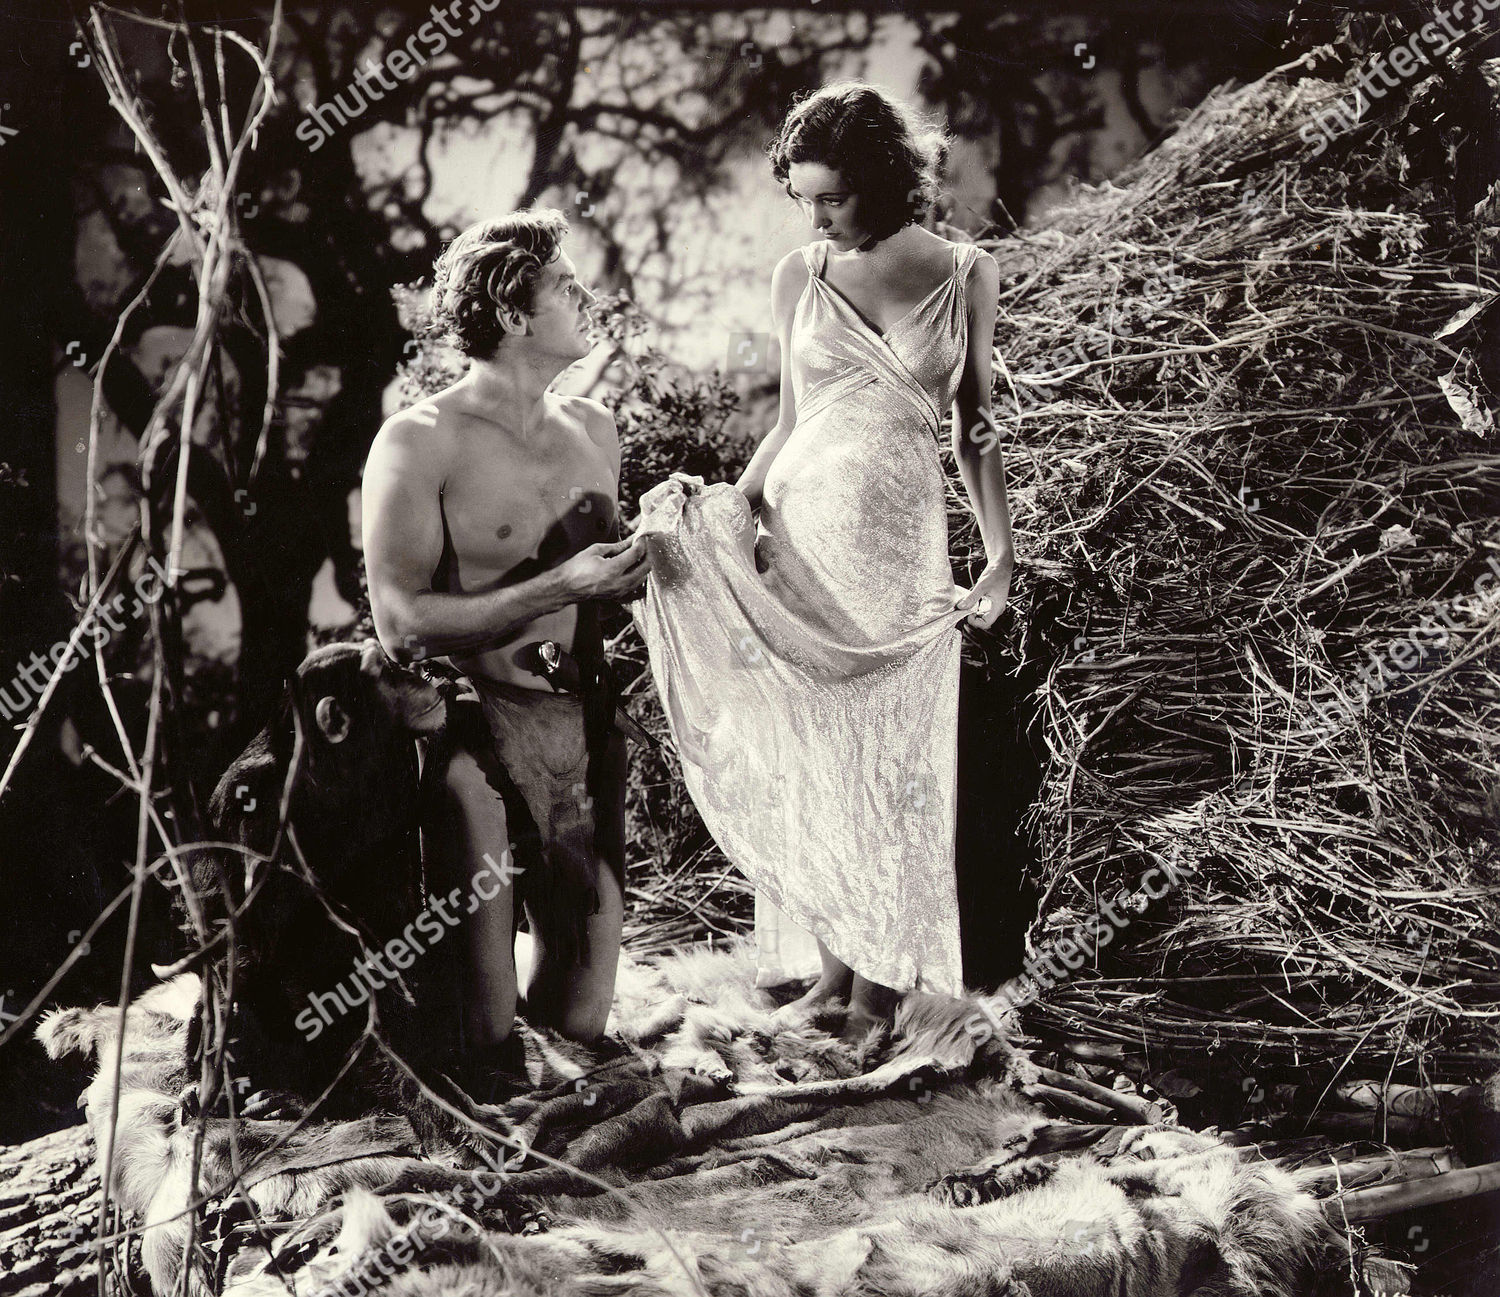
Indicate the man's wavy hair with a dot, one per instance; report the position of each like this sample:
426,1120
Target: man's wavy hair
493,266
878,144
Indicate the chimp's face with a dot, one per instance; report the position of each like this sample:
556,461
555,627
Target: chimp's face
356,691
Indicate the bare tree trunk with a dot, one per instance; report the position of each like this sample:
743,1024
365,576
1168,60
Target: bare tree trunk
49,1193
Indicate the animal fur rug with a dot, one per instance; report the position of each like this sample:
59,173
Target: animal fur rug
709,1149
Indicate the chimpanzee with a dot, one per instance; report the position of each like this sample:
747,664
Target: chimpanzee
314,899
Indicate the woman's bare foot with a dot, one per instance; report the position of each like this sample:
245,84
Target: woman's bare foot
872,1007
826,993
860,1022
834,985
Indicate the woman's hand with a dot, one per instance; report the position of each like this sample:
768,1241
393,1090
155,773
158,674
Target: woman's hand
749,486
752,502
991,592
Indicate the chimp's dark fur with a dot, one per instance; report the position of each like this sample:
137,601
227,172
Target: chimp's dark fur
303,918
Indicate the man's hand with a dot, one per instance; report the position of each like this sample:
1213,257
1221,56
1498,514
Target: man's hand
609,570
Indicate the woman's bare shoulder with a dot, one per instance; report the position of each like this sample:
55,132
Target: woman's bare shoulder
787,282
933,254
982,266
793,267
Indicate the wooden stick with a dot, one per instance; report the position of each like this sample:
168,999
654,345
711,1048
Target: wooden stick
1362,1125
1393,1168
1389,1199
1130,1106
1402,1100
1070,1103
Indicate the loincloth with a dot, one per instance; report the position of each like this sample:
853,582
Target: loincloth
564,798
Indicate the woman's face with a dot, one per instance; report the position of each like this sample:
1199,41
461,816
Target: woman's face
832,207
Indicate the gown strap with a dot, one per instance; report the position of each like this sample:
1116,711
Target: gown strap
815,255
964,256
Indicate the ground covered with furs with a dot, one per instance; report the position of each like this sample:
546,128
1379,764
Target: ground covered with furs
704,1148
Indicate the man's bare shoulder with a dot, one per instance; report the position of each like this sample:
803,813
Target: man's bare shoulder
418,437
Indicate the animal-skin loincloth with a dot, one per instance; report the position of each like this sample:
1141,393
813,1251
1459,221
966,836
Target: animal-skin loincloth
559,764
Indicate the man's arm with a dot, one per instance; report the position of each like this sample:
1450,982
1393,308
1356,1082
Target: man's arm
403,538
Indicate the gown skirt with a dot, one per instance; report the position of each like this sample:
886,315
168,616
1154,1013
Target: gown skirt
808,666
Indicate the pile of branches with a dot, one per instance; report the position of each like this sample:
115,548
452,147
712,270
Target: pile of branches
1246,404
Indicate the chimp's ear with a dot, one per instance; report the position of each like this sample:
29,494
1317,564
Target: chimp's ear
332,719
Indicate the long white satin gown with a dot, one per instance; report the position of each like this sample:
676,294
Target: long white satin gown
814,700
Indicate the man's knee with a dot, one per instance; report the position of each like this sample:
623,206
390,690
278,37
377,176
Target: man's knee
574,998
581,1012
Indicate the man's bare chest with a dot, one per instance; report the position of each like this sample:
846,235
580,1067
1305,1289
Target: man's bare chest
512,511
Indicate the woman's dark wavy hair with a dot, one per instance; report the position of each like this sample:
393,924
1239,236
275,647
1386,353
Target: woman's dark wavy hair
493,266
877,143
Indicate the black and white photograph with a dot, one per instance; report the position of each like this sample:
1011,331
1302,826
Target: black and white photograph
689,648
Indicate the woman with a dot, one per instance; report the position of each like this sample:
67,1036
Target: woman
810,671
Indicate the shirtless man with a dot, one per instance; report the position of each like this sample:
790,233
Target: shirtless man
490,528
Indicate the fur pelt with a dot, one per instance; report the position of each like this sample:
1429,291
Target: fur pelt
706,1148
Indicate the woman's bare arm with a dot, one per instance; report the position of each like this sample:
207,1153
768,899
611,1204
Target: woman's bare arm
787,283
976,443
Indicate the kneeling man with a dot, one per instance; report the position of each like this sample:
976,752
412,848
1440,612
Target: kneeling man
491,533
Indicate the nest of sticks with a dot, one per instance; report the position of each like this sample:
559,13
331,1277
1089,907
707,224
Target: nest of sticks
1246,403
